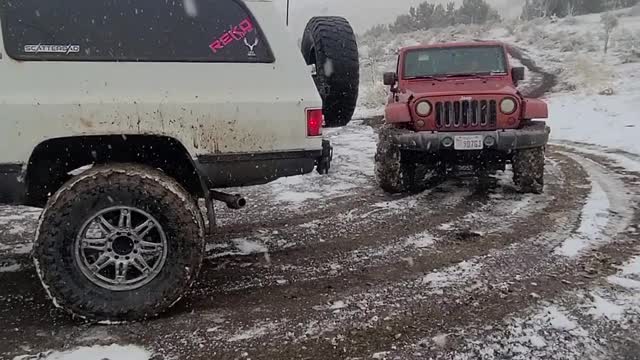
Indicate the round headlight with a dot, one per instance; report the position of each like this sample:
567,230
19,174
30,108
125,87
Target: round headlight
508,106
423,108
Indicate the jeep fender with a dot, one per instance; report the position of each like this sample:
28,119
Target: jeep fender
534,109
397,113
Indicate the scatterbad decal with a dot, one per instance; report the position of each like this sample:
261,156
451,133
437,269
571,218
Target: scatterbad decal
58,49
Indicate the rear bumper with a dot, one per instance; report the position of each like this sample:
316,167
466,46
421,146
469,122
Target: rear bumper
532,136
233,170
12,186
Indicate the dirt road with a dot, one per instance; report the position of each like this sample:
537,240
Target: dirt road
357,273
332,268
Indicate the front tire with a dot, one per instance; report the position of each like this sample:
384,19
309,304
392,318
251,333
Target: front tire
119,243
528,170
394,176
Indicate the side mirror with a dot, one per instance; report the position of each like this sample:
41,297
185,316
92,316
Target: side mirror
390,78
517,73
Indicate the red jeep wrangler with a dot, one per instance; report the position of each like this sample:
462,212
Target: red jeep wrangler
455,107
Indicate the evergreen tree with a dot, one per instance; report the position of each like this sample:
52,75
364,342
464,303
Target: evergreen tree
450,13
476,12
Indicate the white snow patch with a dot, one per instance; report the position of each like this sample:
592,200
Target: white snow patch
381,355
398,204
111,352
244,247
545,333
624,282
451,276
537,341
6,219
10,268
446,226
595,217
557,319
440,340
421,241
338,305
604,120
21,249
632,267
248,247
17,229
522,205
212,247
296,198
602,307
628,276
619,159
252,333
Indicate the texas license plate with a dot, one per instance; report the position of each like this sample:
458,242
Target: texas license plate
469,142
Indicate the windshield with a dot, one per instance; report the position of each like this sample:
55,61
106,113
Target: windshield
454,61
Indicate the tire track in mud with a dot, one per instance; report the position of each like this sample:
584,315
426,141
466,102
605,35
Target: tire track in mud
548,82
503,292
371,238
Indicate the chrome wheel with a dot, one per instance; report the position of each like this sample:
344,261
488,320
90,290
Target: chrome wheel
121,248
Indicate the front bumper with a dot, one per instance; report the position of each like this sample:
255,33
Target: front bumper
533,135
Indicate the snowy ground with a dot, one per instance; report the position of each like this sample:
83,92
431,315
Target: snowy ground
330,265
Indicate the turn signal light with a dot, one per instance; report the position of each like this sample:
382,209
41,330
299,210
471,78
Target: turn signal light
314,122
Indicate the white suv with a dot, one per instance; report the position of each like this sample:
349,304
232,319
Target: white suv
158,103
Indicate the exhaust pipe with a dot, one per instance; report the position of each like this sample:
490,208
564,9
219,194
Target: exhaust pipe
233,201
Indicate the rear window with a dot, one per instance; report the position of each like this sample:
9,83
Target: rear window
133,30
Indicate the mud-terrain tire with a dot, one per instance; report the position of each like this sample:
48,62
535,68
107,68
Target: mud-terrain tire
394,176
132,199
528,170
329,42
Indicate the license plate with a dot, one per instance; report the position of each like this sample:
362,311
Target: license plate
469,142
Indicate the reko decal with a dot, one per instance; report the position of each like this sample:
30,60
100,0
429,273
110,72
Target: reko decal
236,33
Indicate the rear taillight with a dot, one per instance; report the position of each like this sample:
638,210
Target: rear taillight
314,122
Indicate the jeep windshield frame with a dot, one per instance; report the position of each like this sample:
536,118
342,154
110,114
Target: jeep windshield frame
455,62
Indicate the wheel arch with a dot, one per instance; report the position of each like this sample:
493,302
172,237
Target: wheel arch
52,161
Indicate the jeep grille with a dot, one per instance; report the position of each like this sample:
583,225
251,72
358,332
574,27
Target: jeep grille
467,114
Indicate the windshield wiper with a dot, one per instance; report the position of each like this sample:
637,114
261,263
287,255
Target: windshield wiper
426,77
467,75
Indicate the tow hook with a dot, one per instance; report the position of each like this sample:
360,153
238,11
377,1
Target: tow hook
233,201
324,162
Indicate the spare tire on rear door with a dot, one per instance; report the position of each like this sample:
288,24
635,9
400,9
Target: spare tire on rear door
330,44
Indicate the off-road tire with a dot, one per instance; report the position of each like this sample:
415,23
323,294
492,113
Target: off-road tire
528,170
394,176
331,40
104,187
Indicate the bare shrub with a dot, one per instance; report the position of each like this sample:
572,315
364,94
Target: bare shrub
587,75
373,96
609,22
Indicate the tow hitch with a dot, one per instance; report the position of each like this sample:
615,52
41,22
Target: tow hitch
324,161
235,202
